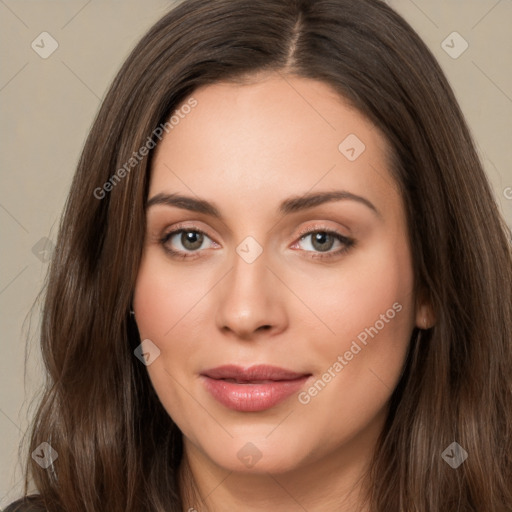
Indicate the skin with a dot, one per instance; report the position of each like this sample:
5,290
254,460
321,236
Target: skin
245,148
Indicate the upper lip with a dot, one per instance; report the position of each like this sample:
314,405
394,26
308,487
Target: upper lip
253,373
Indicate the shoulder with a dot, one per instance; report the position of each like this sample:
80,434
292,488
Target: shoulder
26,504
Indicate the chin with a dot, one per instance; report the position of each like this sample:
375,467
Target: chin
253,454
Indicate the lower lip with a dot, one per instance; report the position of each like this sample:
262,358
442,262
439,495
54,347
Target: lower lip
252,397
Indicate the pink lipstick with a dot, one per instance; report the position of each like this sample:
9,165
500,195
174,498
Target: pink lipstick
253,389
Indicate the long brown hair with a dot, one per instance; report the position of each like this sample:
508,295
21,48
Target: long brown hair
118,449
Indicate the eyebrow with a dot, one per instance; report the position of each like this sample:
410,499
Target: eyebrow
288,206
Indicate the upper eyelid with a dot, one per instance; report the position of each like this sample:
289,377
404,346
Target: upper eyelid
302,232
322,229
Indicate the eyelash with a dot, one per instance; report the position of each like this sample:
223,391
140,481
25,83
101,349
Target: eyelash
349,243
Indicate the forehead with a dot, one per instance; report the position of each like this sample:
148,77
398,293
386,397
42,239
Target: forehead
274,136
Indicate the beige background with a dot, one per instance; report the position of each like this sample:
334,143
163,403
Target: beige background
48,105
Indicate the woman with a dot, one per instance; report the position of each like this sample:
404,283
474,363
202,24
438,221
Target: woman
281,280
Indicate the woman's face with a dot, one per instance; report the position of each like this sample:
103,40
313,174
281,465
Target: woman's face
280,316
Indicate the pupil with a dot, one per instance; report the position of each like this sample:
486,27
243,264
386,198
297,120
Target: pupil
320,239
191,240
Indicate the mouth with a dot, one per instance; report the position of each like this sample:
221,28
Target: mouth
253,389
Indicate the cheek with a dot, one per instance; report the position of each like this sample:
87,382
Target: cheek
166,298
366,285
371,310
166,304
167,309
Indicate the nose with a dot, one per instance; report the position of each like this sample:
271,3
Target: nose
251,300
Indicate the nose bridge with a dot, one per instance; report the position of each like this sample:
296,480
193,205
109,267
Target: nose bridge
249,276
249,298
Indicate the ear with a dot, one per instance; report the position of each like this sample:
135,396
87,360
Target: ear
425,317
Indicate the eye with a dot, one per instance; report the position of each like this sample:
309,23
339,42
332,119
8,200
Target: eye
183,242
322,241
